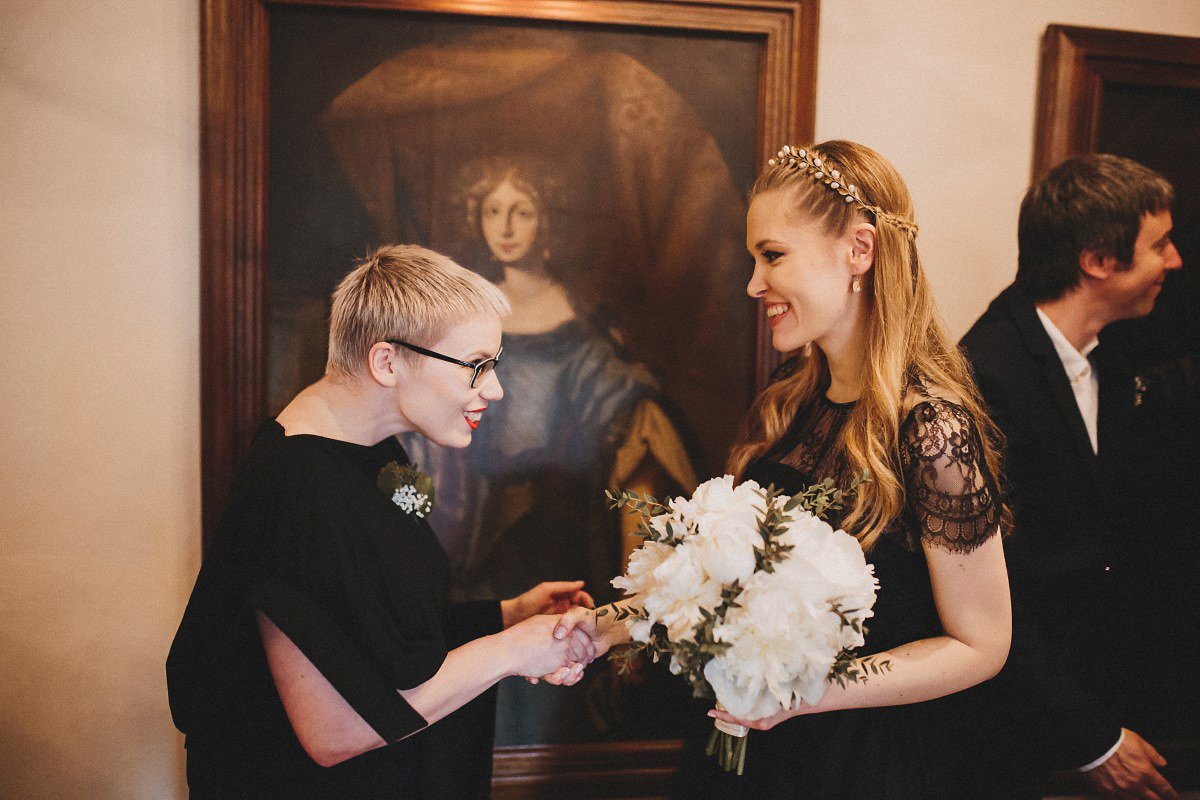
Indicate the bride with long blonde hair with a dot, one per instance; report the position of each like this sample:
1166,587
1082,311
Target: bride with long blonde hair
874,388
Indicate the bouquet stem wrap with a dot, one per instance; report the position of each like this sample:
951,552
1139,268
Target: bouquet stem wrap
728,742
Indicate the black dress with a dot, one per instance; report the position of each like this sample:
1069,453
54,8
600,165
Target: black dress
920,750
360,586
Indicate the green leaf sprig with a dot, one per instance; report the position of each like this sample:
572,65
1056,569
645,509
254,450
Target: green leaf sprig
847,669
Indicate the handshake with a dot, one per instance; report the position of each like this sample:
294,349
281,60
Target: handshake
553,633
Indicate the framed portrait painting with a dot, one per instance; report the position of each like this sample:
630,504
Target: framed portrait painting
592,158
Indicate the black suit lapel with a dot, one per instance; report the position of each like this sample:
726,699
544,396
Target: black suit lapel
1038,343
1116,401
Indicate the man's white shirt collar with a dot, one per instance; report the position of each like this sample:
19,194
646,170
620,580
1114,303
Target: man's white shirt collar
1085,384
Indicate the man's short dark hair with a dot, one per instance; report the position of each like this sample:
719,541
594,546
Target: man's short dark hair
1093,202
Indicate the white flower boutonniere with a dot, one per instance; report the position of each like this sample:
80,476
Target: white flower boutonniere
408,487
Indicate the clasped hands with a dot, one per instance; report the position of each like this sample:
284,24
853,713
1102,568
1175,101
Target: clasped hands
558,634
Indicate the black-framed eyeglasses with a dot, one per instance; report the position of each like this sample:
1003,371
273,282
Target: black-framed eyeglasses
480,368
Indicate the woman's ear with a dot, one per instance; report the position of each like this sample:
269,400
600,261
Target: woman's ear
862,247
383,364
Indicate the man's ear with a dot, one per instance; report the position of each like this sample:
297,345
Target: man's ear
1096,266
383,364
862,247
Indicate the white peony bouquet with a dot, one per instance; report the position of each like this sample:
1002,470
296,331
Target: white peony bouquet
755,600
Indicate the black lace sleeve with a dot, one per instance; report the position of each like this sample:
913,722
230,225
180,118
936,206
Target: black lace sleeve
952,497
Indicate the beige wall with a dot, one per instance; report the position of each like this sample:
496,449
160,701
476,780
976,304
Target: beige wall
99,501
947,91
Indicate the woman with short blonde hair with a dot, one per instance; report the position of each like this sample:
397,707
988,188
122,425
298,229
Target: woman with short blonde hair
319,655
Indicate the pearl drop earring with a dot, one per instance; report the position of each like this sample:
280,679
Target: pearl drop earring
856,285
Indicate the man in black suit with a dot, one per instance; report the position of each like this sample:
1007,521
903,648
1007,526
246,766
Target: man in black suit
1094,247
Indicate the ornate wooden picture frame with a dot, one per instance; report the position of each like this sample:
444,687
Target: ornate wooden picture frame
1079,65
244,186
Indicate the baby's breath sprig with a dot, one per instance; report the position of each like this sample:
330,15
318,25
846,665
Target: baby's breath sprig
408,488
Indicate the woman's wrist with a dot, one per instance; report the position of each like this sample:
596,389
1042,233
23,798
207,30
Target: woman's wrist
609,629
510,612
508,658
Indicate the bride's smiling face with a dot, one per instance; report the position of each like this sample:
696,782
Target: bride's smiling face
802,274
509,219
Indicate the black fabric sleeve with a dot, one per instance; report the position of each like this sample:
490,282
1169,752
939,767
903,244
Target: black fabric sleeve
379,597
467,621
950,492
338,659
1078,729
1065,725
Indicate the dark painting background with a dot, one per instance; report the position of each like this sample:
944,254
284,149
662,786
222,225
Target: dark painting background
652,136
675,294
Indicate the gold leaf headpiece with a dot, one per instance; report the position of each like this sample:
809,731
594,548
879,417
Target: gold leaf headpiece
813,166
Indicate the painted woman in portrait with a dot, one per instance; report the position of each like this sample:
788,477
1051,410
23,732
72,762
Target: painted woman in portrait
578,416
